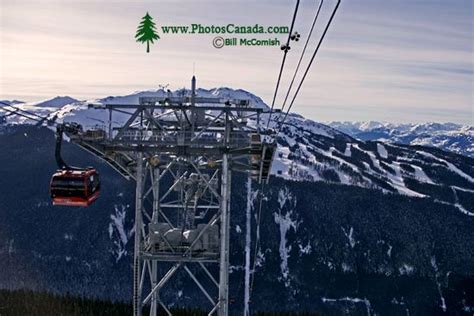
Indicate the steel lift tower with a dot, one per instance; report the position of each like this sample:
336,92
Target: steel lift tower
181,151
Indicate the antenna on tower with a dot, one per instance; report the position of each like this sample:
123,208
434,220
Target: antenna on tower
193,90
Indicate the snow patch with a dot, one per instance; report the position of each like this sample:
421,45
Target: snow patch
438,284
348,152
463,210
382,151
450,166
354,300
346,268
350,236
421,176
260,260
117,228
396,180
305,250
458,205
285,222
235,268
406,269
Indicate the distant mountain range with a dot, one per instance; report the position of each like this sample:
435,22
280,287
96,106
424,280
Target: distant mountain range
448,136
55,102
452,137
349,225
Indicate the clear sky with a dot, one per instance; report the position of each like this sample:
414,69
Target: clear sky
399,61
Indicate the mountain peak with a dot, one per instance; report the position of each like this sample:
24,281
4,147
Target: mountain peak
56,102
12,102
222,92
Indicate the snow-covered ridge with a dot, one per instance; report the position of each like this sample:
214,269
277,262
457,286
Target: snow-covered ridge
222,92
313,151
415,171
70,109
11,102
448,136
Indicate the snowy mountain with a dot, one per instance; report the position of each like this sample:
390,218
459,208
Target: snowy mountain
311,151
448,136
11,102
348,226
56,102
315,152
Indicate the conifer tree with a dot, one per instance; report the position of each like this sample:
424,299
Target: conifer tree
146,31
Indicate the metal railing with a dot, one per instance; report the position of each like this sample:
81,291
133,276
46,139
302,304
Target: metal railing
186,137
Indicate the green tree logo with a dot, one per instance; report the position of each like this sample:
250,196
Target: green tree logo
146,31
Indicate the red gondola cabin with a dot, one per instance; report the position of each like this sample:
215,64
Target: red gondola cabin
75,187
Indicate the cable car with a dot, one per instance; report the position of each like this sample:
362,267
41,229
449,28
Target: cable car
72,187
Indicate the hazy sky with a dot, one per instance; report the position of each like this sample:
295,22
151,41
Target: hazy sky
399,61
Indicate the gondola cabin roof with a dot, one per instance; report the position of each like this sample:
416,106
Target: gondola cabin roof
76,173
